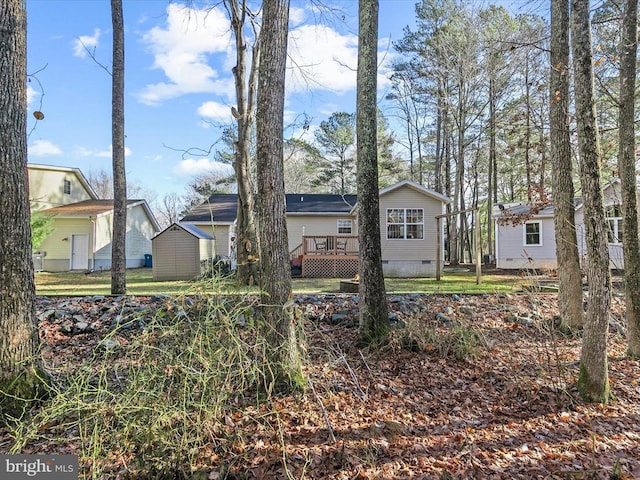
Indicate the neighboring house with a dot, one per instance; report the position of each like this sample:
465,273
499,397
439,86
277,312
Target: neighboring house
82,226
225,207
180,252
529,243
322,230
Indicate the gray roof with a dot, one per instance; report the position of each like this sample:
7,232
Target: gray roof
523,209
320,203
191,229
222,207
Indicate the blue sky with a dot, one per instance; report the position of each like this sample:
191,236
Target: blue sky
177,79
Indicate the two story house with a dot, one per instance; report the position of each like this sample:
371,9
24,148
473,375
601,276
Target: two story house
82,225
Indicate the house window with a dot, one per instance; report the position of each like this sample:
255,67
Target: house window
66,187
405,223
533,233
614,221
345,227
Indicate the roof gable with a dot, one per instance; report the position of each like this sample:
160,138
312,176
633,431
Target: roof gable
418,188
188,228
75,171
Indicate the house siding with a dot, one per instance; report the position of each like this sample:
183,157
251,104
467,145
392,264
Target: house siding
57,246
46,188
514,254
410,257
176,255
138,241
206,249
309,225
221,234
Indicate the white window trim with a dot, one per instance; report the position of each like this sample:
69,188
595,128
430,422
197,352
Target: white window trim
524,234
387,223
616,227
616,230
345,220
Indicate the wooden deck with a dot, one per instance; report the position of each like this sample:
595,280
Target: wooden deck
334,256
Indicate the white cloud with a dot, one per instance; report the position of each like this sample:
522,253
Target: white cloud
86,42
182,49
87,152
331,67
32,93
215,111
191,167
297,15
42,148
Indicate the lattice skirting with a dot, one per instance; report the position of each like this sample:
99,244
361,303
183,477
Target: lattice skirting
330,267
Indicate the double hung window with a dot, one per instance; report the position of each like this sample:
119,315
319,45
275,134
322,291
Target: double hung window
405,223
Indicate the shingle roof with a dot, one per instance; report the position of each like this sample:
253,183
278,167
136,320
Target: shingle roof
191,229
195,231
223,206
525,208
85,208
320,203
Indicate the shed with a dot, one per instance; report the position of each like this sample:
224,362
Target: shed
180,251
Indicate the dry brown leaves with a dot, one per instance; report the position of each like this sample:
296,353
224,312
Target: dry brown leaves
510,413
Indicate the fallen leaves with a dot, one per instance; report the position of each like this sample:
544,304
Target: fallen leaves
510,412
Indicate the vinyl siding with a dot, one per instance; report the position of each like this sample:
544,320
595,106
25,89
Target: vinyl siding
57,246
403,250
514,254
300,225
221,235
46,188
140,230
206,249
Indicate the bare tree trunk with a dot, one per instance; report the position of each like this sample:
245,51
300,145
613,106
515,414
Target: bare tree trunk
492,163
283,355
593,381
21,375
627,168
374,317
569,273
527,131
246,237
440,137
119,235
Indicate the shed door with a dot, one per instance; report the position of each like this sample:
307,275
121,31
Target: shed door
79,252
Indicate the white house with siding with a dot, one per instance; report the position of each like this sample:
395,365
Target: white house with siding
529,243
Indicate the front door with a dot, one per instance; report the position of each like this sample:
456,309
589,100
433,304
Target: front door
79,252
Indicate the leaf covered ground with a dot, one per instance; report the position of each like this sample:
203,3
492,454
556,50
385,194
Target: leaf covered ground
468,387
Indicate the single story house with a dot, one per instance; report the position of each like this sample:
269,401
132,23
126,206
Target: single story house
181,252
82,223
529,242
322,230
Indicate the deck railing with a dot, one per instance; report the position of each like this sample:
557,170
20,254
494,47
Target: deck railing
330,245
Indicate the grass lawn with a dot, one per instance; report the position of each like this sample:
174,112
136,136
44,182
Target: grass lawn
140,282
